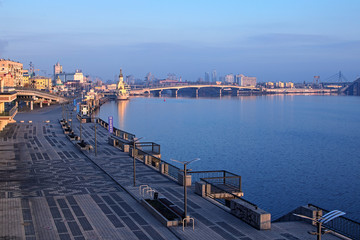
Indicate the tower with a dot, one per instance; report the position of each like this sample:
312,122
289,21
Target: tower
57,70
213,76
120,84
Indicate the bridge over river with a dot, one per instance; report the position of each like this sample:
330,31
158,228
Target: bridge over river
196,87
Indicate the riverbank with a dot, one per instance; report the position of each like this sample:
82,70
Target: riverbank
51,190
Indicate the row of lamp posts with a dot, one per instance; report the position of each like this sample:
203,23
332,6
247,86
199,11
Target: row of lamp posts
134,141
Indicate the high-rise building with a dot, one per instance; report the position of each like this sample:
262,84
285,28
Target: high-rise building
213,76
11,72
130,79
149,78
58,70
207,77
238,79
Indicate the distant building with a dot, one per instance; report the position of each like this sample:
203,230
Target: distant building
244,81
207,77
75,77
130,79
168,82
111,86
149,78
58,68
26,78
289,85
269,85
229,78
238,78
11,72
213,76
280,85
40,82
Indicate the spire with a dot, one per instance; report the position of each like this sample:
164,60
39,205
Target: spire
121,75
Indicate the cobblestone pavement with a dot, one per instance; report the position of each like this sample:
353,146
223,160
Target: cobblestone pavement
50,190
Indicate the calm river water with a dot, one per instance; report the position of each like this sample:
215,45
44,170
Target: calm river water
289,150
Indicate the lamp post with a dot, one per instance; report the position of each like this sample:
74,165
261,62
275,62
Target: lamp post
67,113
185,163
134,141
95,121
62,111
71,116
80,126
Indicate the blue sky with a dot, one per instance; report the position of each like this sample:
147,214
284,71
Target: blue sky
272,40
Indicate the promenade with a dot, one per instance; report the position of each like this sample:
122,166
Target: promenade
49,189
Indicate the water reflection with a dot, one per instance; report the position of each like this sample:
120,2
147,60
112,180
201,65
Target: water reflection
121,111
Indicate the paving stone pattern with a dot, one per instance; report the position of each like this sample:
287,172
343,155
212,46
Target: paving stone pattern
49,189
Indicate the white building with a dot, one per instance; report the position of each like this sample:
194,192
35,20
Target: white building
71,77
244,81
75,77
229,78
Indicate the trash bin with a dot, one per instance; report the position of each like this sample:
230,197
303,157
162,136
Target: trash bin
156,195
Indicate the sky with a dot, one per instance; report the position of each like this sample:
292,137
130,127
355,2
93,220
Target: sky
274,40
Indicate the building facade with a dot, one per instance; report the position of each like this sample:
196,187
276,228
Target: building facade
207,77
229,78
244,81
213,76
41,83
57,69
11,73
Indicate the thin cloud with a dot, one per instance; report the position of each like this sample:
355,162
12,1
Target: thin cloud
288,38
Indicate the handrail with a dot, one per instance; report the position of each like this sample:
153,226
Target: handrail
227,192
10,112
342,225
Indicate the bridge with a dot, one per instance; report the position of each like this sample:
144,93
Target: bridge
196,87
30,95
353,88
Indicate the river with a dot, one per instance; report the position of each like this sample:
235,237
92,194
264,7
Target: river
289,150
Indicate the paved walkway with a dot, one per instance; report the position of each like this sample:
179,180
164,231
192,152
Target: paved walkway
50,190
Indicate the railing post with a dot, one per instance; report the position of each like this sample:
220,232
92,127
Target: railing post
240,184
224,178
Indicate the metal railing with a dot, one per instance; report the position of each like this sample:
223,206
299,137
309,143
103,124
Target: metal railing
149,147
196,175
117,132
170,170
124,135
160,165
148,158
215,189
341,225
10,112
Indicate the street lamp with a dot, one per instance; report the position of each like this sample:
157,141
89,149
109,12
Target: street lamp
95,121
80,125
185,163
134,141
320,220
